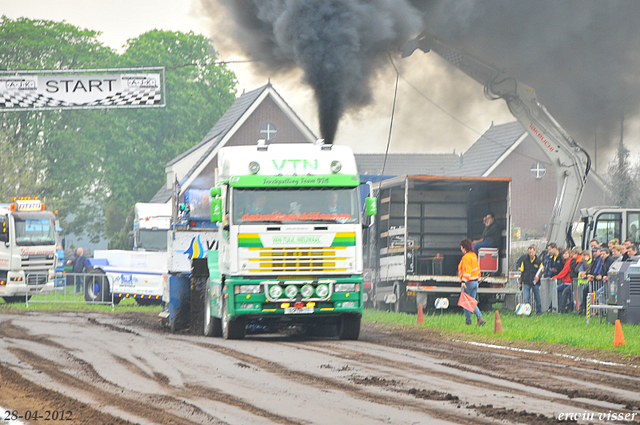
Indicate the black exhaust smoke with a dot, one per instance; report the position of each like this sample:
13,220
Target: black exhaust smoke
339,44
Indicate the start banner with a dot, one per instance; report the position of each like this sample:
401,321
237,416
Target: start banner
82,89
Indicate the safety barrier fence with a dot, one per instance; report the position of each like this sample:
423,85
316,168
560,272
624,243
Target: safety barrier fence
69,288
557,297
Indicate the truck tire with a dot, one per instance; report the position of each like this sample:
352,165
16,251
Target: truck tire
349,328
16,299
231,329
96,287
212,324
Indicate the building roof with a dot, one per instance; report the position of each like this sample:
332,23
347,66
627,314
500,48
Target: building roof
224,124
488,150
405,163
224,129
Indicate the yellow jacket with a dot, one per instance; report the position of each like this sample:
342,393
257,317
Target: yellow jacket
468,268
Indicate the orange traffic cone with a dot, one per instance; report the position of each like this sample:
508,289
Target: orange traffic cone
497,327
420,315
618,336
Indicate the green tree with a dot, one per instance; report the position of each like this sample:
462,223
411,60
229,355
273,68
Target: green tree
623,177
93,165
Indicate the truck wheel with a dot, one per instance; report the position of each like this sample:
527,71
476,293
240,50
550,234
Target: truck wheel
96,287
231,329
212,324
16,299
349,327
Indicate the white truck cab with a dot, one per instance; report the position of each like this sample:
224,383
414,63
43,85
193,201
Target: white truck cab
27,249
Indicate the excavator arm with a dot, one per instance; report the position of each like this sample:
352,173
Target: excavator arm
570,161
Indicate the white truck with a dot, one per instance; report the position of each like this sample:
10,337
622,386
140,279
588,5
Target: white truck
137,274
289,254
27,249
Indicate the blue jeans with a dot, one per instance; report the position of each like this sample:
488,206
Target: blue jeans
536,296
482,244
472,289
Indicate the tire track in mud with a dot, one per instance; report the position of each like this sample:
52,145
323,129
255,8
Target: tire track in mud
355,390
124,400
20,394
157,408
570,394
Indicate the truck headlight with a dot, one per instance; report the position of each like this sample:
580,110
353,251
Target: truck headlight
344,287
322,290
306,291
291,291
249,289
275,291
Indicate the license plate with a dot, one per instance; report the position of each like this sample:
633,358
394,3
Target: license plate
411,293
303,310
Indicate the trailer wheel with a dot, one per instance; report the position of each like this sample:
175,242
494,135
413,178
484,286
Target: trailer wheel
349,327
96,287
212,324
231,329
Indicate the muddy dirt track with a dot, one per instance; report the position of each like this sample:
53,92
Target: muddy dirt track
125,369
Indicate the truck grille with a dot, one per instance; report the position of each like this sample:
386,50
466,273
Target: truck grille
37,277
37,262
291,260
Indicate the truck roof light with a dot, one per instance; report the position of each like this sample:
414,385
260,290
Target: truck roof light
254,167
262,145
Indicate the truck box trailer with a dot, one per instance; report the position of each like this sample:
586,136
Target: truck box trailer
413,249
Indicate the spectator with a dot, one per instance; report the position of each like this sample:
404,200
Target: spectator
553,261
564,288
607,260
632,251
491,234
593,243
596,265
576,258
529,265
585,264
616,253
625,254
78,267
612,243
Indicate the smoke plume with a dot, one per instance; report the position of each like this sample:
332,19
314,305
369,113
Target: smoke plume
581,56
339,44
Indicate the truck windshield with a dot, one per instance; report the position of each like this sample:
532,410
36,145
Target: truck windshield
153,240
34,229
326,205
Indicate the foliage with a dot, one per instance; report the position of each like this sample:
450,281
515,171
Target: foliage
623,177
94,165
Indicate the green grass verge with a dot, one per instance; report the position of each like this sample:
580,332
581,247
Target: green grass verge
567,329
75,302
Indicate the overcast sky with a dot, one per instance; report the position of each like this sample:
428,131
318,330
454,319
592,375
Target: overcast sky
419,126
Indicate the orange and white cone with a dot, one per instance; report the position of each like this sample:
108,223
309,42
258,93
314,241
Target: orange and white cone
618,336
420,319
497,327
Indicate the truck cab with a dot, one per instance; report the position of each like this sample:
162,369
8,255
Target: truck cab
608,223
27,249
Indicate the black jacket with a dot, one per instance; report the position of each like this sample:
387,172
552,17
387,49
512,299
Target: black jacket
528,268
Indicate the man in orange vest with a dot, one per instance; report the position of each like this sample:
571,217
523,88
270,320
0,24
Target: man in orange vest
468,273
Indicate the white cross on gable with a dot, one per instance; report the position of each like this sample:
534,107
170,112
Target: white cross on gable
268,131
538,170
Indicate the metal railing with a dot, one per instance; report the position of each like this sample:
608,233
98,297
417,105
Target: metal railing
78,288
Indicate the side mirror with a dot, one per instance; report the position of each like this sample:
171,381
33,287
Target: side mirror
216,210
215,192
370,206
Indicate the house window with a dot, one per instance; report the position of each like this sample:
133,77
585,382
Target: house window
538,170
268,131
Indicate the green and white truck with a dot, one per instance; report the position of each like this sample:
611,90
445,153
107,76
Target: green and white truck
289,254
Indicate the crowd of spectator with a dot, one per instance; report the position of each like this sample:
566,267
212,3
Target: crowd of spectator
570,265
